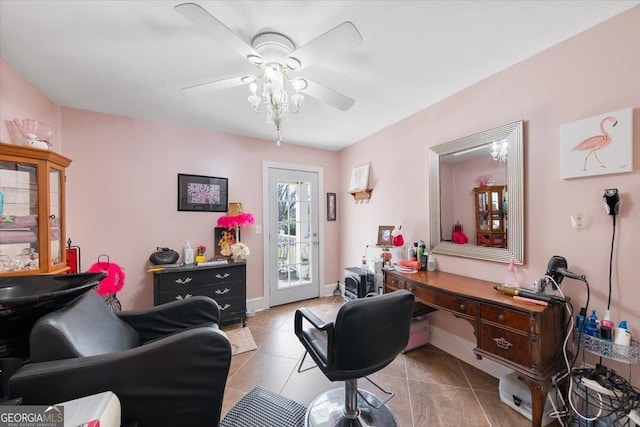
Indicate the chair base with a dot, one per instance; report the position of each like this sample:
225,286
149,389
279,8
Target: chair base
327,410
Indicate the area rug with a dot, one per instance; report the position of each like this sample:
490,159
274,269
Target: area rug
241,340
263,408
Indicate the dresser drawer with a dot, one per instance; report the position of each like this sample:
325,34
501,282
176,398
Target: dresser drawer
192,278
506,344
444,301
218,292
503,316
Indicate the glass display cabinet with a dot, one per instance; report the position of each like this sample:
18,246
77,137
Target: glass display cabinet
491,216
32,227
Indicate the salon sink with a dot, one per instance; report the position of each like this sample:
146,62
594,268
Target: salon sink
24,299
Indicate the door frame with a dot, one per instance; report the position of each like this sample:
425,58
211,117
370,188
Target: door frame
269,269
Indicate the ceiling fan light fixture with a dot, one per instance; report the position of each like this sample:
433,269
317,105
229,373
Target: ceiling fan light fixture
293,63
255,59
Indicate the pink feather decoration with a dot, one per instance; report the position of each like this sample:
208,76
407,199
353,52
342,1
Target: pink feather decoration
240,220
114,280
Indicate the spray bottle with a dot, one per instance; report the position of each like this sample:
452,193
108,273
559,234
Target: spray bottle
511,279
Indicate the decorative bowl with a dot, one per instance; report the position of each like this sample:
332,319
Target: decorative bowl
41,130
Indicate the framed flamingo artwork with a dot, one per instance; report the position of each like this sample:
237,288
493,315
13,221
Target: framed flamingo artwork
598,145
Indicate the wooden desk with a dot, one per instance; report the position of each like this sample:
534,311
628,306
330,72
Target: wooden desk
524,337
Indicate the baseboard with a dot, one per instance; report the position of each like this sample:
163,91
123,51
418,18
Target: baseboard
260,303
463,350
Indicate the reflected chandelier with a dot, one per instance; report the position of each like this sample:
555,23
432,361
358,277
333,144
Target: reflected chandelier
500,150
274,98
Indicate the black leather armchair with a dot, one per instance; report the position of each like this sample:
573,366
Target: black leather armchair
367,335
168,365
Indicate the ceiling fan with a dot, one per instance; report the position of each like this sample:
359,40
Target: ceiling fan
276,55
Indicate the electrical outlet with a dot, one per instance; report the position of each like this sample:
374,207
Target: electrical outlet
258,229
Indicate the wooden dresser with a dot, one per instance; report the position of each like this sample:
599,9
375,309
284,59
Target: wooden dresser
227,284
525,337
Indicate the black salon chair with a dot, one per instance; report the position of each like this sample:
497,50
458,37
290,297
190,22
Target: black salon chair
367,335
167,365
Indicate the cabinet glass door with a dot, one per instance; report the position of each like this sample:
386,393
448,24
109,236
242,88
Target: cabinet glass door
18,217
55,216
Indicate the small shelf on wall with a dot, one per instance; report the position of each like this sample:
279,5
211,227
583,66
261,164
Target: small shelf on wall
361,196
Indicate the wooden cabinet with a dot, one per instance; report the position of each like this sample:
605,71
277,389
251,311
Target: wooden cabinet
32,225
524,337
491,216
227,284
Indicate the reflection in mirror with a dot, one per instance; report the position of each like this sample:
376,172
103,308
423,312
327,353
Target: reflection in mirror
476,188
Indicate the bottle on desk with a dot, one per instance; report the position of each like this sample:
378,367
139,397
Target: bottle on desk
592,327
622,335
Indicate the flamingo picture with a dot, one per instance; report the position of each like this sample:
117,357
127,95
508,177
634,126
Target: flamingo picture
596,142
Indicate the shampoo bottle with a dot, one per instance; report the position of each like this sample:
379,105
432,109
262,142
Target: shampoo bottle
622,336
592,327
606,327
188,255
581,320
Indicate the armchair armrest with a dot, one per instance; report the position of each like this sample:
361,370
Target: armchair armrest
176,380
171,317
317,341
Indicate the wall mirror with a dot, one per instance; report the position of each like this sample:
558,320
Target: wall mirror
476,186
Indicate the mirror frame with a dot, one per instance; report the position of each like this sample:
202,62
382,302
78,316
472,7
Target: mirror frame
513,132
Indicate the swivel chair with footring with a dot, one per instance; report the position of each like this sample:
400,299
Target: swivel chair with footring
366,336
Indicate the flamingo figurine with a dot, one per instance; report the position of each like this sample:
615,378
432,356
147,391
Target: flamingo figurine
596,142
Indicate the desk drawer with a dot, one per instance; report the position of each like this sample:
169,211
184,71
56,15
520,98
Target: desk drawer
506,344
394,283
502,316
214,276
445,301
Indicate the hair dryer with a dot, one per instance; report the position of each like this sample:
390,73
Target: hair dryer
612,201
557,270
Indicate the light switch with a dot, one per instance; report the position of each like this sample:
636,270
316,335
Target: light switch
258,229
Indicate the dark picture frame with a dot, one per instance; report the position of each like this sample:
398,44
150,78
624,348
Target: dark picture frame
384,235
332,207
223,238
202,193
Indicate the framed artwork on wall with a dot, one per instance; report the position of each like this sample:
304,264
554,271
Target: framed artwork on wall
359,178
222,240
331,207
384,235
598,145
202,193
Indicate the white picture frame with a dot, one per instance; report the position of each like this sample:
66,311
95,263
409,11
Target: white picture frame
359,178
599,145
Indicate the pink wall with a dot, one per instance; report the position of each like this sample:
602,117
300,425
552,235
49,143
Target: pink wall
592,73
122,192
19,99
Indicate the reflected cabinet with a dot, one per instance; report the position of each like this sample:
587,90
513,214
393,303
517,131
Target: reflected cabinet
32,227
491,216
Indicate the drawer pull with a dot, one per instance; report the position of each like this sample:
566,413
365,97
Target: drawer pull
501,317
183,282
462,307
222,276
502,343
184,297
222,292
223,308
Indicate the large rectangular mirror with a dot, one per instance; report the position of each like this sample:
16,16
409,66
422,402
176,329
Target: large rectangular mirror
476,186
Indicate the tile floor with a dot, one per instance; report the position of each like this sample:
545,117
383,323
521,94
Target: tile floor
432,387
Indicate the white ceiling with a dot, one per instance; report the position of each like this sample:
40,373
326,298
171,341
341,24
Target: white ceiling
131,58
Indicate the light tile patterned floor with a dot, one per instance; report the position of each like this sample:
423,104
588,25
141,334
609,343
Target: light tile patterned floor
432,387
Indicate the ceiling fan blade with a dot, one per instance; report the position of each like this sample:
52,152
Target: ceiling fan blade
344,36
329,96
213,86
204,19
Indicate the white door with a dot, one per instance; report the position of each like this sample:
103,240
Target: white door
293,235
